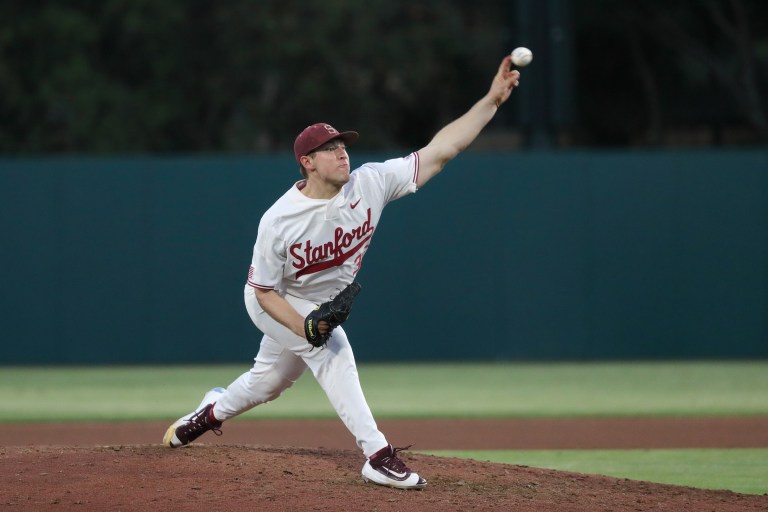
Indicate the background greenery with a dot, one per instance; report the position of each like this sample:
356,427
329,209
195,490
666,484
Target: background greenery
448,390
192,75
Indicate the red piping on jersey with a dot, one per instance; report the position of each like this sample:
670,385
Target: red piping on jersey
260,287
416,167
335,262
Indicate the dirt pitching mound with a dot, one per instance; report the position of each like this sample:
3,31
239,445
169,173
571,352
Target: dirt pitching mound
208,477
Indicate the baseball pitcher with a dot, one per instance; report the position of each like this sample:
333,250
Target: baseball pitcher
301,282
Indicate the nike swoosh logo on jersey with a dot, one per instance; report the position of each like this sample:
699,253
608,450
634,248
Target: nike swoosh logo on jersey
353,205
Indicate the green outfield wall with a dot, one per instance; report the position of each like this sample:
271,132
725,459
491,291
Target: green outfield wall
519,256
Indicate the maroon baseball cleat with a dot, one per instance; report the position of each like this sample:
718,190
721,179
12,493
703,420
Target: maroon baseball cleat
188,428
385,468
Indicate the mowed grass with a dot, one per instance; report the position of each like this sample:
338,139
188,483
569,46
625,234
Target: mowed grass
51,394
739,470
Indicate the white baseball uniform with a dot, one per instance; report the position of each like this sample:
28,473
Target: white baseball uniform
308,250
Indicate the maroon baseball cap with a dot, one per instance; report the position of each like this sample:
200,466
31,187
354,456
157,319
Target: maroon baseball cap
318,134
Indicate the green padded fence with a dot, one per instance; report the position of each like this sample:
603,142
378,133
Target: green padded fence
518,256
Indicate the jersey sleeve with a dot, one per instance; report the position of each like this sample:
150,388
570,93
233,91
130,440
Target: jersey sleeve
396,177
268,262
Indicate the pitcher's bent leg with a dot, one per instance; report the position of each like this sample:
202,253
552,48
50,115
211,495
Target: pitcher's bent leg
275,370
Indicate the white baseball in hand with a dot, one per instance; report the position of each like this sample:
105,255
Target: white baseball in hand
521,56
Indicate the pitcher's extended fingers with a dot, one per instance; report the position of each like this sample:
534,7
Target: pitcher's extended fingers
506,64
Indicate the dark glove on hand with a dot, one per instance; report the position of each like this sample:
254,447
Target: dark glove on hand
335,312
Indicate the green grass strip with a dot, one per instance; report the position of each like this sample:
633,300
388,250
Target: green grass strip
401,391
739,470
569,389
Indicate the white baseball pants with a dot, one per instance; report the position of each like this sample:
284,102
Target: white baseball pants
282,359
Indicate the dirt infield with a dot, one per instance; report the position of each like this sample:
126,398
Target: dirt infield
121,467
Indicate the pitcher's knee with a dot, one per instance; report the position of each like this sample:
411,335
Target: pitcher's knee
267,387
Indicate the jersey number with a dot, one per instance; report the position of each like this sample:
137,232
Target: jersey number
359,259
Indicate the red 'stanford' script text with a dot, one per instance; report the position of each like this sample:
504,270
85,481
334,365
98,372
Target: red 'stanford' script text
308,258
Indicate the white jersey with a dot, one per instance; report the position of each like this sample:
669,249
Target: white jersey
313,248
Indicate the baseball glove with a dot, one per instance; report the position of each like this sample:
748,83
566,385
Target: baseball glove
335,312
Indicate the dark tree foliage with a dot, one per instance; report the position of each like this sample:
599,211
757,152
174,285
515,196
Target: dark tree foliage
661,72
99,76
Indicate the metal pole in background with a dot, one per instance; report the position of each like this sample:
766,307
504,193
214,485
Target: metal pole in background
546,107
